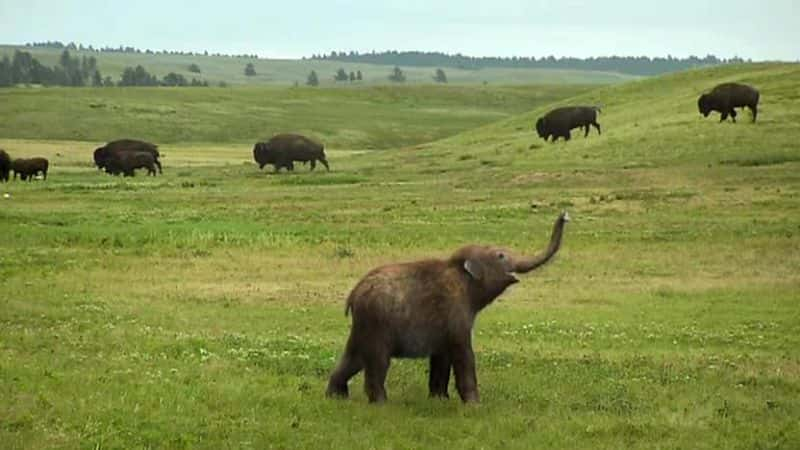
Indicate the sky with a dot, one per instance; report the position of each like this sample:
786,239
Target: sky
761,30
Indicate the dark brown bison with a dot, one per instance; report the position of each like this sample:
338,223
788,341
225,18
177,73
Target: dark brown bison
29,168
427,309
5,165
727,96
126,162
283,149
102,154
558,122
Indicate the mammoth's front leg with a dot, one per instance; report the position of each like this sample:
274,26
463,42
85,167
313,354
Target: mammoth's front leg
439,375
464,367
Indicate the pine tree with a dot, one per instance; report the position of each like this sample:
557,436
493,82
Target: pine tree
440,76
250,70
341,75
312,80
397,75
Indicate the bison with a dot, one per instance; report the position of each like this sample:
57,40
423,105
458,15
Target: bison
5,165
727,96
102,154
29,168
283,149
558,122
122,162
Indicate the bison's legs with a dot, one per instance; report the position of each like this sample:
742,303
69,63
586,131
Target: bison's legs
313,165
325,163
597,125
754,110
586,130
723,116
439,375
158,164
348,366
733,115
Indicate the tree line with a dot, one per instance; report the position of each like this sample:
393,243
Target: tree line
632,65
128,49
24,68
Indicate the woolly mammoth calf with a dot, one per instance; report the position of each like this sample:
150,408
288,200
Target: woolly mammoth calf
284,149
113,148
727,96
29,168
127,162
427,309
558,122
5,165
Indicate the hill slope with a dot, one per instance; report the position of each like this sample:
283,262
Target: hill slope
652,122
281,72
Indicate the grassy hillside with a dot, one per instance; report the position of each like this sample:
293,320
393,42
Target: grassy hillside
362,117
287,72
203,308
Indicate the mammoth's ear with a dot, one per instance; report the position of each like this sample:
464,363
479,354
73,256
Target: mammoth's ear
474,268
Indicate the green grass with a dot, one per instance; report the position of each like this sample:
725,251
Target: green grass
361,118
285,72
204,308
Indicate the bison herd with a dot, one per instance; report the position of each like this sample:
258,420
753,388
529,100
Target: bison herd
724,98
124,156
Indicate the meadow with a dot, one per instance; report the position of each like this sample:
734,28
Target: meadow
204,308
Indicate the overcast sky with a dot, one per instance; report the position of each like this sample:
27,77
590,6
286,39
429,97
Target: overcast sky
766,29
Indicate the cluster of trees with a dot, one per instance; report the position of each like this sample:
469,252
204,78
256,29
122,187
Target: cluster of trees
633,65
23,68
127,49
138,76
341,75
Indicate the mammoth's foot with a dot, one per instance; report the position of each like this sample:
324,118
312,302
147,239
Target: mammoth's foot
340,391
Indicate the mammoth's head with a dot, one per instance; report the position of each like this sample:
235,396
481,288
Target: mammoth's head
100,157
704,105
492,269
540,127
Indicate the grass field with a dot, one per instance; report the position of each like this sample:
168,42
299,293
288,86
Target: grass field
375,117
285,72
203,308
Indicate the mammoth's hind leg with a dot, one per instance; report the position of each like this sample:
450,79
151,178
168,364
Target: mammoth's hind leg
439,375
376,366
348,366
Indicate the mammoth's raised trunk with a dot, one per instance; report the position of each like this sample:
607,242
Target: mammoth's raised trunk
528,264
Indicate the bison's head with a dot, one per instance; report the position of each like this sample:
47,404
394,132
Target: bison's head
540,127
704,105
100,157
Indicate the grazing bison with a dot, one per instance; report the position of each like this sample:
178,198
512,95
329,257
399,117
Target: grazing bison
126,163
5,165
102,154
727,96
560,121
29,168
283,149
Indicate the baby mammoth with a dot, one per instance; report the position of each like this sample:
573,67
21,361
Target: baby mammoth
727,96
29,168
426,309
